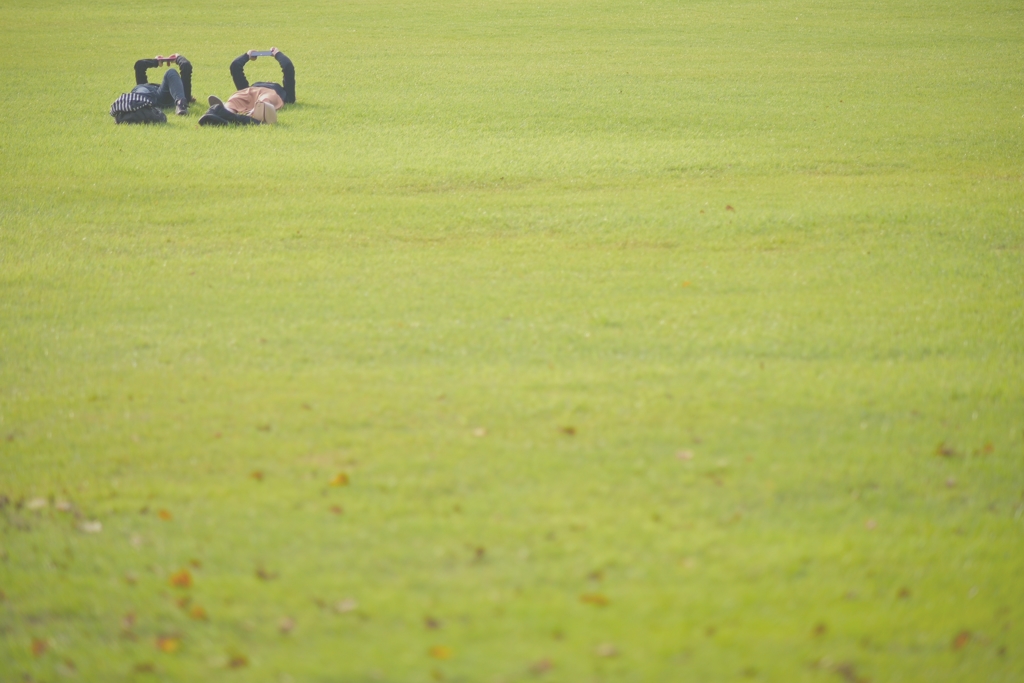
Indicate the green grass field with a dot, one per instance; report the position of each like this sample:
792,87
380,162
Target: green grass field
542,340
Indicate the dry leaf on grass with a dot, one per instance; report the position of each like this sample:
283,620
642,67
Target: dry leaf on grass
286,625
606,650
181,579
340,479
168,644
542,666
198,613
685,455
440,652
164,515
346,605
39,647
238,661
960,640
257,475
596,599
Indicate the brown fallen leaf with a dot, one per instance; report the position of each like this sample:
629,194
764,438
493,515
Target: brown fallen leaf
596,599
960,640
144,668
195,564
945,450
257,475
168,644
286,625
164,515
820,629
181,579
903,593
346,605
238,662
264,575
541,666
728,207
568,430
336,509
340,479
198,613
440,652
431,623
39,647
848,672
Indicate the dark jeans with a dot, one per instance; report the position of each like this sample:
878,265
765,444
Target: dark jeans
167,93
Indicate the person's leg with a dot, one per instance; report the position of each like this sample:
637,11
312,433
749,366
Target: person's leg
171,90
220,111
211,119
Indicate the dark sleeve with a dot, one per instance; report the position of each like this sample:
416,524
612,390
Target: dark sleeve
185,67
140,69
238,72
288,69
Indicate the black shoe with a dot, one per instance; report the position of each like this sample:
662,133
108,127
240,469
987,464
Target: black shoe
210,119
181,108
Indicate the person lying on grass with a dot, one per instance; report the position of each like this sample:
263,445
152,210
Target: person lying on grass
256,103
143,103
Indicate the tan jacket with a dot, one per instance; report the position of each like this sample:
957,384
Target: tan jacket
244,101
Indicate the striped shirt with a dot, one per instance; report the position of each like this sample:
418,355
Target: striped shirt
129,102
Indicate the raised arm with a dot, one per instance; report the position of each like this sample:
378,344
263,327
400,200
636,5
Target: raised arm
238,71
141,67
185,67
288,69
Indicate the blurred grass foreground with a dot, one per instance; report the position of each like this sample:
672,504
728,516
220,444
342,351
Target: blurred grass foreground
566,341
